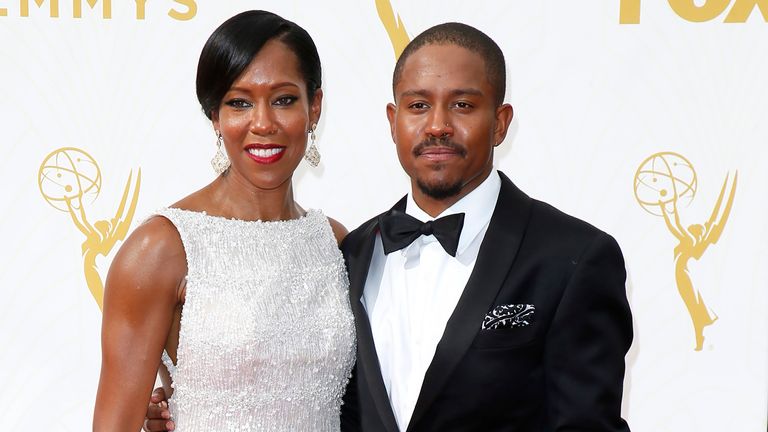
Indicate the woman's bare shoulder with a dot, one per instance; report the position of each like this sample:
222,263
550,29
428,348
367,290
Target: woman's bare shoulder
156,237
339,230
152,258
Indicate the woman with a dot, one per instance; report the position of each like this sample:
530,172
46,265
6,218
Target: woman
242,292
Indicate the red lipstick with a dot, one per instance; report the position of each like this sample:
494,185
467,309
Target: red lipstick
265,153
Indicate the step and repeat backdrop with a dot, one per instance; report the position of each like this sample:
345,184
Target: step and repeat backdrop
646,118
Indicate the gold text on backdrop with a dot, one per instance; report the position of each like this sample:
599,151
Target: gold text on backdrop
394,26
662,182
69,179
188,11
629,10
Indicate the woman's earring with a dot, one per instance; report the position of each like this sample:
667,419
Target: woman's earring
312,156
220,161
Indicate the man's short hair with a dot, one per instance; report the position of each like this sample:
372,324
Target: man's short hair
467,37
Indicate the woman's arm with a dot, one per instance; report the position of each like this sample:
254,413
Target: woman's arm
141,293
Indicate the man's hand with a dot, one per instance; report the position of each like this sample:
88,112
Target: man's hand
158,416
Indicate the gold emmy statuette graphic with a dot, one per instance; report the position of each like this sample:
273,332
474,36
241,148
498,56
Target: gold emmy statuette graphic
664,181
394,26
69,180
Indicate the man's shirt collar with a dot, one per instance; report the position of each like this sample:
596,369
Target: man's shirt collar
477,207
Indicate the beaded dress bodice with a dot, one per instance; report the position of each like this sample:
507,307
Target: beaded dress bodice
267,336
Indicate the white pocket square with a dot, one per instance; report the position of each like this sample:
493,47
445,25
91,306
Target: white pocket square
509,316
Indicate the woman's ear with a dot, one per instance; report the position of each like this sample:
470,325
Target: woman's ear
316,108
215,120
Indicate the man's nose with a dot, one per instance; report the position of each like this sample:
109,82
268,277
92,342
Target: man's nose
439,123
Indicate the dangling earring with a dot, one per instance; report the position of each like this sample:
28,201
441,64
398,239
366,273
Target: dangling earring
220,161
312,156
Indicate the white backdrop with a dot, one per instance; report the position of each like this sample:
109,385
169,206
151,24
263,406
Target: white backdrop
593,98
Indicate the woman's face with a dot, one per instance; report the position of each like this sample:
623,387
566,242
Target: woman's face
265,116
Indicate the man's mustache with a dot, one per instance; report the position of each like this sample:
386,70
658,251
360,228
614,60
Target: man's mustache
439,142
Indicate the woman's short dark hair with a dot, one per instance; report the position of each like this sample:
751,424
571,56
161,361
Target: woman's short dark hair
233,45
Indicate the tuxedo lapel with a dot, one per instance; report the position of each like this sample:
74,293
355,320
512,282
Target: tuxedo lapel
494,259
358,261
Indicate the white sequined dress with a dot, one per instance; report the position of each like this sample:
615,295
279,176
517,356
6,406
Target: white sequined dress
267,336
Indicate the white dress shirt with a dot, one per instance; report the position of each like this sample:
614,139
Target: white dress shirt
410,294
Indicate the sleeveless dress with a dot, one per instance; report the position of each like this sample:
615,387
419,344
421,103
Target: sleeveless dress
267,338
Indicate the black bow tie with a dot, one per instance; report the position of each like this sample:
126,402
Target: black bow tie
399,229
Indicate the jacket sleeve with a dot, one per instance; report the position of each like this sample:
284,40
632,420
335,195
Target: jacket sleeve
585,346
350,414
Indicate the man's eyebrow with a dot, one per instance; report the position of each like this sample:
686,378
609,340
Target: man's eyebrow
418,92
466,91
455,92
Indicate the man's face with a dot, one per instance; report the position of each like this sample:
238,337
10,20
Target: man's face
445,122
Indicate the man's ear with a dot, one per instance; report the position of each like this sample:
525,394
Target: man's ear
391,111
504,115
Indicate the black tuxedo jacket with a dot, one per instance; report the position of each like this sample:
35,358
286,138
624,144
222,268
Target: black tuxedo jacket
564,372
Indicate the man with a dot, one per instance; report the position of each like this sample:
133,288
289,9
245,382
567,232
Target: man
500,313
